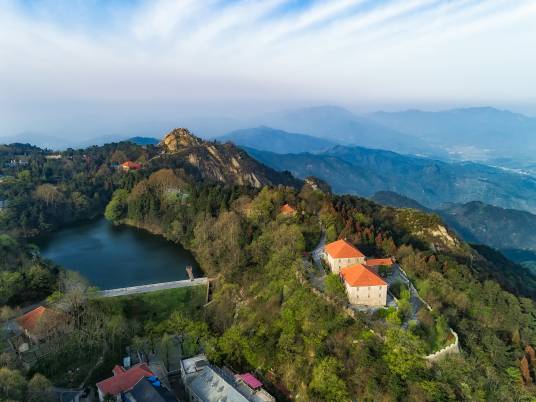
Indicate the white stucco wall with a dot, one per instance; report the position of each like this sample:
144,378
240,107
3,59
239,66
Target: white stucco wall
367,295
336,264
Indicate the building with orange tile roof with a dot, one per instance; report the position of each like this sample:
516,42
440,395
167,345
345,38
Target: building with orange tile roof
363,286
129,165
28,322
287,210
41,322
123,380
376,262
340,254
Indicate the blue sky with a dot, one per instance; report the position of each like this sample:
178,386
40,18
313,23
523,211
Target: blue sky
105,63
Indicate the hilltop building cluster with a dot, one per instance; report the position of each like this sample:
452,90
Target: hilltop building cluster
359,274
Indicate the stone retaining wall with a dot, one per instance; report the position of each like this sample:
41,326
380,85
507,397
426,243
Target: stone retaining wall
447,350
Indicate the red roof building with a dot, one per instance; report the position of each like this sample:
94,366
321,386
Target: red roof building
28,322
123,380
359,275
287,210
343,249
41,322
363,286
375,262
129,165
340,254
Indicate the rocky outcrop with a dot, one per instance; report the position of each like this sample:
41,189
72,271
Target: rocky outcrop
220,162
317,184
178,139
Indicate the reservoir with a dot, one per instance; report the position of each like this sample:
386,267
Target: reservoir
112,257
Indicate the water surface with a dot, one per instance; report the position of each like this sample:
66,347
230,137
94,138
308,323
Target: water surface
116,256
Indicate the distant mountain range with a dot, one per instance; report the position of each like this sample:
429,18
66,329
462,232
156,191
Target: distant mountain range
395,200
478,133
498,227
38,140
56,143
483,134
341,126
274,140
144,140
362,171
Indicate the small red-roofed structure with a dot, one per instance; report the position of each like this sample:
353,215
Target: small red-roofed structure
287,210
376,262
129,165
250,380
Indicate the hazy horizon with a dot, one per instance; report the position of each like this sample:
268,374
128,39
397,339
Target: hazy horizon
95,68
130,121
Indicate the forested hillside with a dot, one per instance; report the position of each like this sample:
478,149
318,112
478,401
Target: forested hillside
498,227
508,230
263,316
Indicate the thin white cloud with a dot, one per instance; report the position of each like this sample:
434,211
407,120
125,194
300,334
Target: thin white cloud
338,51
160,18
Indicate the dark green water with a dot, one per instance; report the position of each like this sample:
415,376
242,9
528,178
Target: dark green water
116,256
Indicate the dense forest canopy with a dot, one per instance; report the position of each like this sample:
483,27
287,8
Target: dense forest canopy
263,316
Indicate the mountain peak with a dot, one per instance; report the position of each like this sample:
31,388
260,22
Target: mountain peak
179,138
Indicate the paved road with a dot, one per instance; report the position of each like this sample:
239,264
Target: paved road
153,287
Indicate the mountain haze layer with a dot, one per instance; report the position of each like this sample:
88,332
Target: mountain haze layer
362,171
274,140
344,127
477,133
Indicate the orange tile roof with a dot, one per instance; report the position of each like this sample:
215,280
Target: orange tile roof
124,380
342,249
287,209
374,262
359,275
29,320
131,165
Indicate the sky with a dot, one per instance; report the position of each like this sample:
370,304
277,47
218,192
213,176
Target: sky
94,67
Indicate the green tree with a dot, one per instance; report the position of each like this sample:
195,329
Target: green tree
11,283
40,389
334,287
117,208
403,353
12,385
326,385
